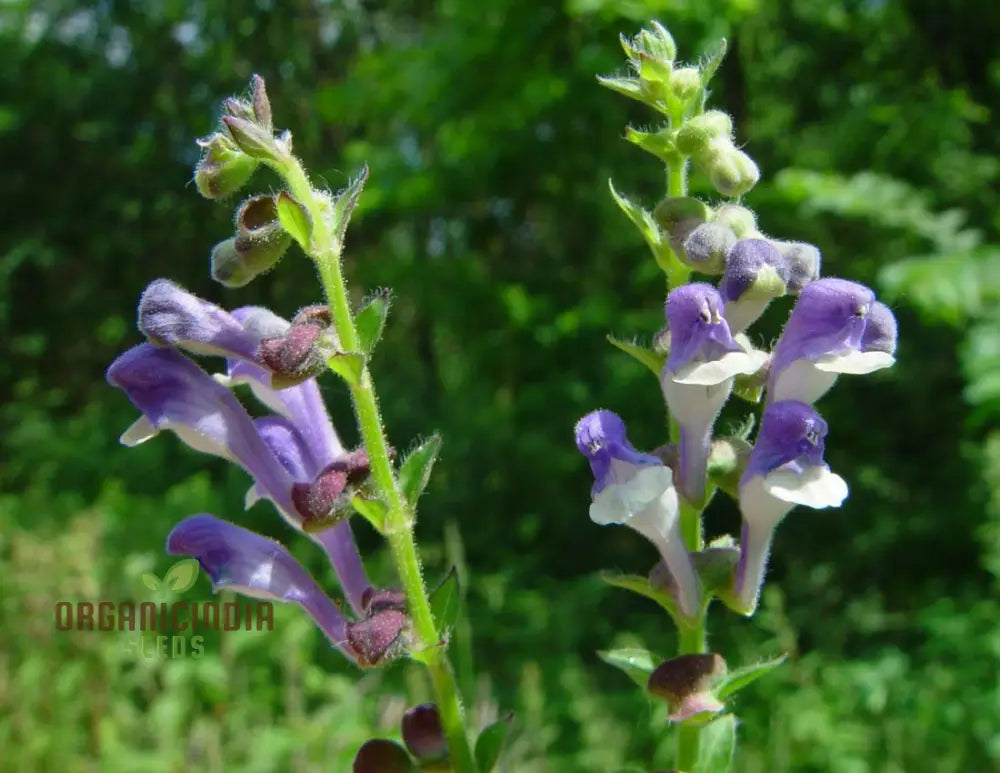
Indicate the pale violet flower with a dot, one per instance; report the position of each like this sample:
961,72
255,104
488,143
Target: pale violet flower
785,469
698,375
637,490
836,327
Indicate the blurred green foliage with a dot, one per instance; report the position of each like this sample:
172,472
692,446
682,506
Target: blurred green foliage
487,212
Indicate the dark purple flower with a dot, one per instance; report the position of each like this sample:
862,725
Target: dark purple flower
785,469
698,377
255,566
826,335
755,274
636,490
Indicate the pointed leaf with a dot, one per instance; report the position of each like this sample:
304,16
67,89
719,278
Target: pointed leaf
637,663
370,320
150,580
294,219
445,600
640,585
349,366
373,511
182,575
416,470
627,86
736,680
346,202
652,360
710,65
642,219
657,143
490,743
716,745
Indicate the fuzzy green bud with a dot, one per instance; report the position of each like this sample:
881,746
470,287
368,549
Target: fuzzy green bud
698,137
685,83
223,168
733,173
741,220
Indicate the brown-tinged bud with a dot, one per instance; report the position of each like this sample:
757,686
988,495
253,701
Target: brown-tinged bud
260,103
259,244
686,683
383,635
380,755
328,498
422,733
223,168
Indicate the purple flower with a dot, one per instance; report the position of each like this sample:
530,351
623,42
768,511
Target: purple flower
836,327
255,566
755,274
287,456
785,469
636,490
171,316
698,375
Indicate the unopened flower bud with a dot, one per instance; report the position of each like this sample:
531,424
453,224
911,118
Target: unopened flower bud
252,138
260,103
679,216
686,683
228,266
658,42
803,261
381,755
706,247
695,138
740,219
685,83
733,173
223,168
382,635
422,733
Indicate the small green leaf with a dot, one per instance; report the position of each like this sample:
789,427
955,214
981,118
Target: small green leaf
294,219
349,366
346,201
710,65
640,585
627,86
736,680
642,219
373,510
652,360
716,745
490,743
150,580
182,575
637,663
416,469
658,143
370,320
445,601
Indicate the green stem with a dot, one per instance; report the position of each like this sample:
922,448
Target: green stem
692,639
325,250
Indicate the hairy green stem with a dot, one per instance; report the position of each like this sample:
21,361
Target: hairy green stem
325,250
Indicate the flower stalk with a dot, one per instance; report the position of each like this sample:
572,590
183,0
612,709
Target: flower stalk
325,249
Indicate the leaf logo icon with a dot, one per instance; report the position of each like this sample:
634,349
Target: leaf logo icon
179,577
